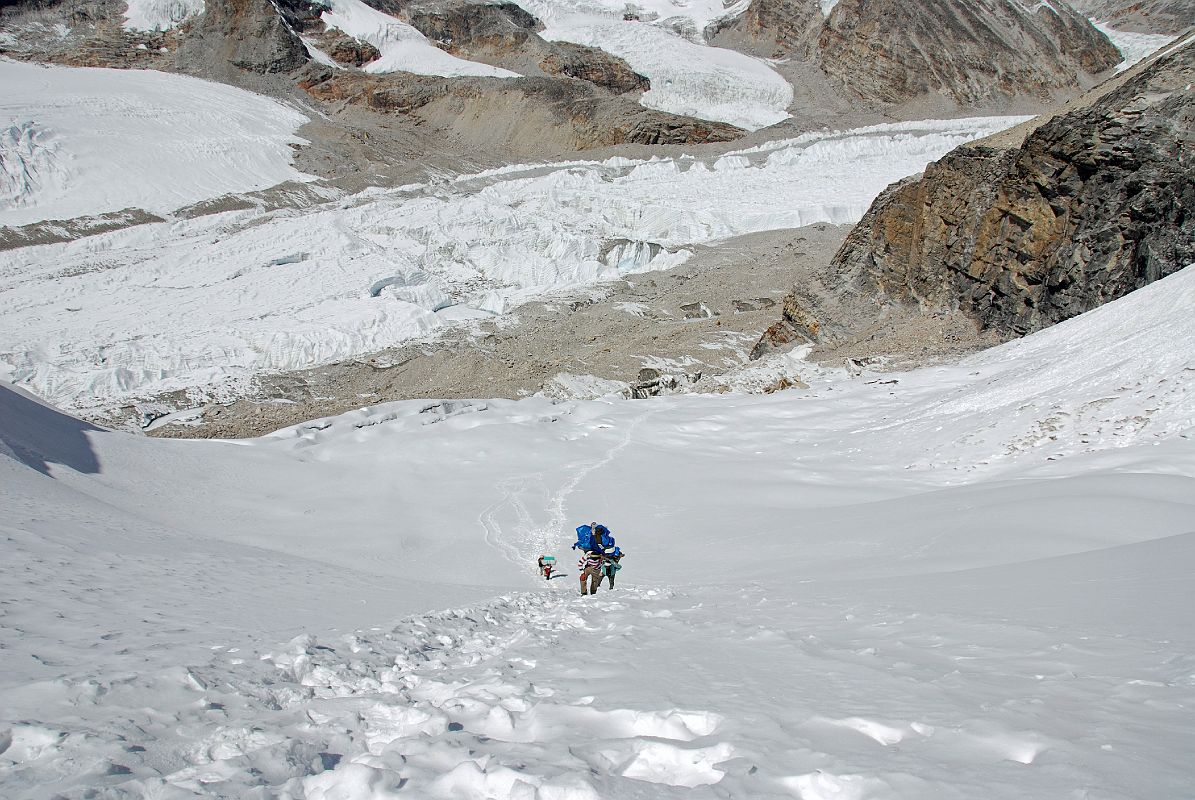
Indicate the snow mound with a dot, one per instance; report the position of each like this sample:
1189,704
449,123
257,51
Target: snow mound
83,141
402,47
373,271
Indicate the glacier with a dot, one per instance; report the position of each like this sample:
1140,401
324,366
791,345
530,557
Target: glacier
206,304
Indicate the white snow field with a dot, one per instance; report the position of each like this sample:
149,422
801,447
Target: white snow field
968,581
81,141
207,304
403,48
663,41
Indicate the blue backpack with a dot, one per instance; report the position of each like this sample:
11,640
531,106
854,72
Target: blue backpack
589,538
584,538
603,539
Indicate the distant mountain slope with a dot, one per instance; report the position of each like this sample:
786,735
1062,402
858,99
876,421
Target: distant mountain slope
1142,16
506,63
1092,205
890,51
970,53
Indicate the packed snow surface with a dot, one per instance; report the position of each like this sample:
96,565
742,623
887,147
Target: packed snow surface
84,141
664,41
964,581
403,48
160,15
209,303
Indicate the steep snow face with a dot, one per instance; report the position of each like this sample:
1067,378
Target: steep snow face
663,41
81,141
160,15
403,48
209,303
965,581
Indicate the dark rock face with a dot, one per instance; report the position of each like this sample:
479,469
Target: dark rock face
797,325
349,51
1094,204
594,66
890,51
473,29
783,27
249,34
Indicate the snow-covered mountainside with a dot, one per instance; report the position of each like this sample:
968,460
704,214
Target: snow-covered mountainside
961,581
966,580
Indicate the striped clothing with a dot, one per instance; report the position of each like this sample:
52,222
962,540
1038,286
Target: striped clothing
591,560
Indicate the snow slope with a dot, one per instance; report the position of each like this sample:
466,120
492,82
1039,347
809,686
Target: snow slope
972,582
663,40
209,303
402,47
83,141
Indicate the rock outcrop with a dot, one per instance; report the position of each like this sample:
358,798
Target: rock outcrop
479,31
781,28
522,116
1093,204
248,34
593,66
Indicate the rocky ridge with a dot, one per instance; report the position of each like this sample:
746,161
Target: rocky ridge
534,112
981,54
1091,205
1142,16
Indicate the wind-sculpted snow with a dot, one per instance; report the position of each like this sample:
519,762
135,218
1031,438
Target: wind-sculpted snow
961,581
402,48
664,42
81,141
209,303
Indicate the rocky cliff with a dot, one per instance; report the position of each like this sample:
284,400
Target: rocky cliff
972,54
1093,204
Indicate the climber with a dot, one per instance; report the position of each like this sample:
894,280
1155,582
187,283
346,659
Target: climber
592,564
